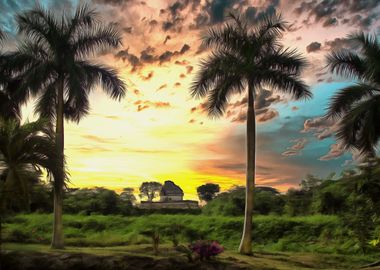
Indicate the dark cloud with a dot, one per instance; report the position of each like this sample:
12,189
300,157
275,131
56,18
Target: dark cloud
339,43
162,87
313,47
330,22
148,76
167,38
127,29
326,10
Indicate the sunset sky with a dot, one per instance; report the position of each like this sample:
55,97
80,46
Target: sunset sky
158,132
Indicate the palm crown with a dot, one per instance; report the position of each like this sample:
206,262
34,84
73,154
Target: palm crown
358,106
56,50
24,151
248,57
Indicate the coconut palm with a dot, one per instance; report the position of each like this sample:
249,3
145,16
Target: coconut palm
24,151
357,106
245,59
53,61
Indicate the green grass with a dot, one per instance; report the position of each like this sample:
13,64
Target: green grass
322,234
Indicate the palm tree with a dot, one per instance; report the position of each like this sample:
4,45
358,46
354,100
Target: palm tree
53,62
24,151
9,108
356,106
248,58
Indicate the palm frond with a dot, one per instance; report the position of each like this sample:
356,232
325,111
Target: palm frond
359,128
217,65
285,83
346,63
284,60
343,101
228,37
99,38
271,25
84,17
217,98
106,77
39,25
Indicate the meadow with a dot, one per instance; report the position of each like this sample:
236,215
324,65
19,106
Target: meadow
317,233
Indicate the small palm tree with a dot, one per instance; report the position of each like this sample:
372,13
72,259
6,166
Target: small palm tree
24,151
357,107
247,59
53,62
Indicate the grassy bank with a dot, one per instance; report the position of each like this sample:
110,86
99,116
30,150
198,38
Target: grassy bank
324,234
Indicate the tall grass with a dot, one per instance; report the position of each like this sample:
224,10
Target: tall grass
273,233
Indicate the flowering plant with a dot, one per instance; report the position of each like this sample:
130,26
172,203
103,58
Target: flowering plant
206,249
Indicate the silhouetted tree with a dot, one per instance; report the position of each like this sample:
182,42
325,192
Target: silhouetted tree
53,61
208,191
150,190
246,59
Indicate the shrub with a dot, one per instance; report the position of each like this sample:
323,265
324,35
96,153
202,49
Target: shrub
206,249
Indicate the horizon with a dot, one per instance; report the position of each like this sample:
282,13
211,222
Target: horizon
158,132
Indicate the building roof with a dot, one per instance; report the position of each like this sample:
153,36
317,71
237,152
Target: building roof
170,189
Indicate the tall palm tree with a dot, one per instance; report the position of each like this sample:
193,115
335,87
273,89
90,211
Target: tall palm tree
357,106
246,59
53,60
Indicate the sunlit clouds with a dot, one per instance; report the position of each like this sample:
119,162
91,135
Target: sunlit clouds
159,132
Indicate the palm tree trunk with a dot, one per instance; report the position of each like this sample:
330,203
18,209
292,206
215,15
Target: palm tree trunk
246,240
57,241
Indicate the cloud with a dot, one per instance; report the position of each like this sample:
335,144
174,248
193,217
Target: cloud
145,104
148,76
163,86
295,149
313,47
321,127
267,116
336,151
330,22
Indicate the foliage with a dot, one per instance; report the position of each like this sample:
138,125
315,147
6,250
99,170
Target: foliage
25,150
97,201
208,191
315,233
231,202
357,106
206,249
150,190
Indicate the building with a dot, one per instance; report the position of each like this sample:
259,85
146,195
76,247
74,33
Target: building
171,197
170,192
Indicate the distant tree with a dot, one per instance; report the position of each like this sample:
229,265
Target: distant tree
150,190
310,182
208,191
128,195
356,106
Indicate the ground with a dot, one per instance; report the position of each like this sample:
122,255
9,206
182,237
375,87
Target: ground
35,256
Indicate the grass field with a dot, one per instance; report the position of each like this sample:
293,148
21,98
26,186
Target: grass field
323,234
